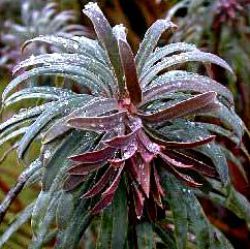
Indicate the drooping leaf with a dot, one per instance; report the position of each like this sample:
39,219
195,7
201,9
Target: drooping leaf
150,41
58,163
168,50
72,45
46,93
24,115
178,80
197,56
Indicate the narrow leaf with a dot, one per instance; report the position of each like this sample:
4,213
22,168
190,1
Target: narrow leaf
197,56
107,39
108,194
129,68
107,177
145,237
150,40
94,156
178,208
183,108
103,123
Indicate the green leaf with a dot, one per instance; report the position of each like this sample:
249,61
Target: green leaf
220,241
166,236
120,218
150,41
42,217
167,50
13,134
105,229
46,93
58,129
59,159
63,106
39,210
190,131
36,128
25,114
180,217
80,45
114,222
70,236
68,64
198,222
64,210
195,56
80,75
145,236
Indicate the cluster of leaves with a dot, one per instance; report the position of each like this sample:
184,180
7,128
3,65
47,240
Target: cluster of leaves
139,135
35,21
224,31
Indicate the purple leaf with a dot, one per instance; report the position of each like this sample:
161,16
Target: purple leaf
157,182
102,123
183,108
188,180
108,195
155,193
134,123
108,176
141,173
146,147
107,39
148,144
199,166
127,153
72,182
95,156
138,201
172,162
103,203
58,129
128,64
122,141
151,208
84,168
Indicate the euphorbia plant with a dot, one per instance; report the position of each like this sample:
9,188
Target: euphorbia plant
131,148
